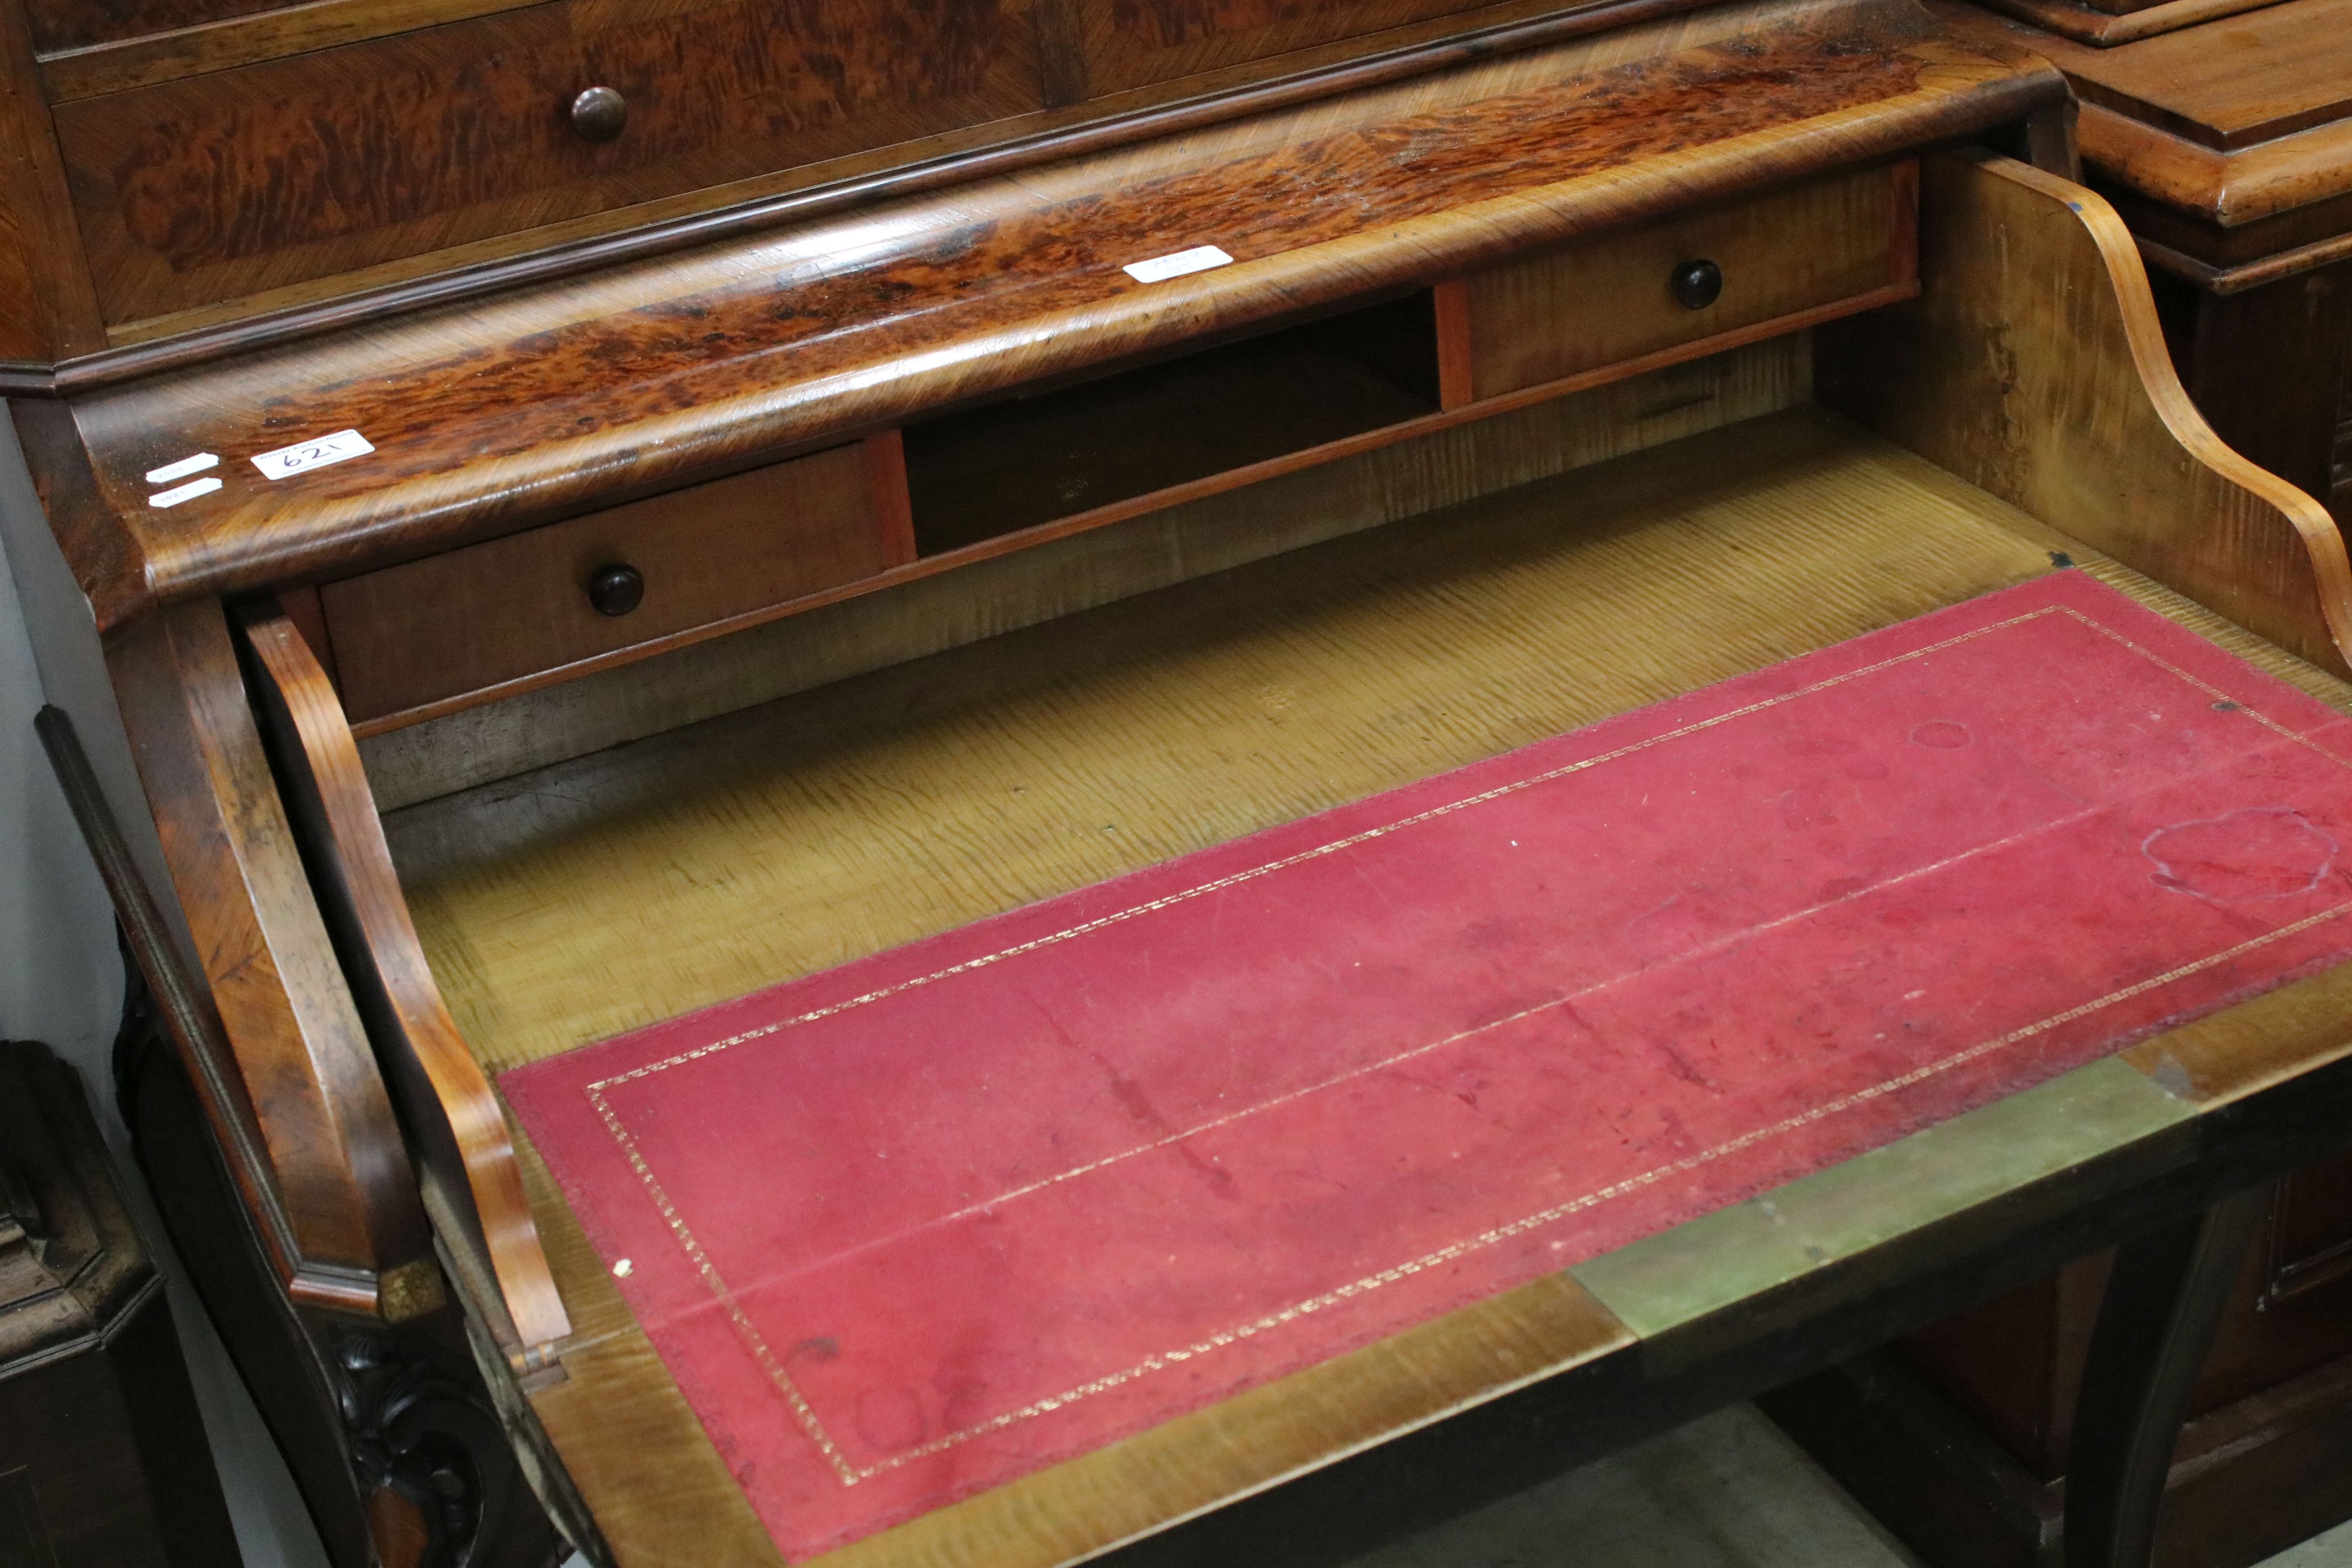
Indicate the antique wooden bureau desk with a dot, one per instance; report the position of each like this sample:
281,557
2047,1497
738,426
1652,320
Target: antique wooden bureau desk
544,518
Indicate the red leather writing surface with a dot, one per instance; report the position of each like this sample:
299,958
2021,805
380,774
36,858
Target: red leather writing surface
916,1225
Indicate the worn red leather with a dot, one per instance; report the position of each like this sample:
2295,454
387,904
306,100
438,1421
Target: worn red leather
919,1225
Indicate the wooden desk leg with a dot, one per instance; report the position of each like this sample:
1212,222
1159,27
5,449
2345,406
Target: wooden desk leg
2163,1303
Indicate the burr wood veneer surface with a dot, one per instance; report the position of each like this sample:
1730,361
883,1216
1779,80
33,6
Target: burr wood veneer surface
912,1227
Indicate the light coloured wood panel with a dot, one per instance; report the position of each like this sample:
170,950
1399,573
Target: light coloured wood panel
517,607
638,883
2106,27
2232,82
2032,363
914,619
1590,305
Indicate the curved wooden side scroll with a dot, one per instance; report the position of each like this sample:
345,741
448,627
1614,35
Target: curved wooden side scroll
2033,366
467,1161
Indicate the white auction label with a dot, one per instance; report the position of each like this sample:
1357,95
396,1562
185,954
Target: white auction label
186,492
181,470
303,456
1161,268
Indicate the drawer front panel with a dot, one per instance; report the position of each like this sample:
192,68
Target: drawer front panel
59,24
1614,298
518,606
228,183
1134,43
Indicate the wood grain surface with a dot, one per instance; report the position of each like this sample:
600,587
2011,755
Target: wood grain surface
1132,43
2103,28
577,902
449,1111
496,417
80,61
301,1056
2032,363
247,179
2229,84
964,154
2242,125
23,335
1589,305
45,289
517,607
59,24
1234,526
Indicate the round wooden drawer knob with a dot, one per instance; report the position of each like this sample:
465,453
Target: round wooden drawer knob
1697,284
615,590
599,114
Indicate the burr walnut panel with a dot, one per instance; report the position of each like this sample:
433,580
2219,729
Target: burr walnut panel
61,24
299,168
1133,43
517,607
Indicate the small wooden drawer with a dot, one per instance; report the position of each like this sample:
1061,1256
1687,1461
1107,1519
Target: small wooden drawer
414,636
1733,273
231,183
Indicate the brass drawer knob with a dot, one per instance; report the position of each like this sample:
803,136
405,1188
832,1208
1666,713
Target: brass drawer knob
615,590
599,113
1697,284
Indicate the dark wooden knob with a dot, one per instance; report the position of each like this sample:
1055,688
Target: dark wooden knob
1697,284
599,113
615,590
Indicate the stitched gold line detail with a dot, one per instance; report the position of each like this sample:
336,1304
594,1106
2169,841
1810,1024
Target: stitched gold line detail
1236,877
851,1473
719,1287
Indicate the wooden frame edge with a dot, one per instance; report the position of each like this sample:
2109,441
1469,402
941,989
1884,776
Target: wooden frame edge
263,990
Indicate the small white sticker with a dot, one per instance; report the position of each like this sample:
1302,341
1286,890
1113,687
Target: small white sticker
1161,268
621,1269
181,470
303,456
186,492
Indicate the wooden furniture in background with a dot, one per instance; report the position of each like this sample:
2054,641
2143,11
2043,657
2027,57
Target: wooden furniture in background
755,538
103,1461
2227,146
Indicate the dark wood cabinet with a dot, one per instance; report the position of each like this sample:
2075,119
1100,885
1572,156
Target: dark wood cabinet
103,1461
